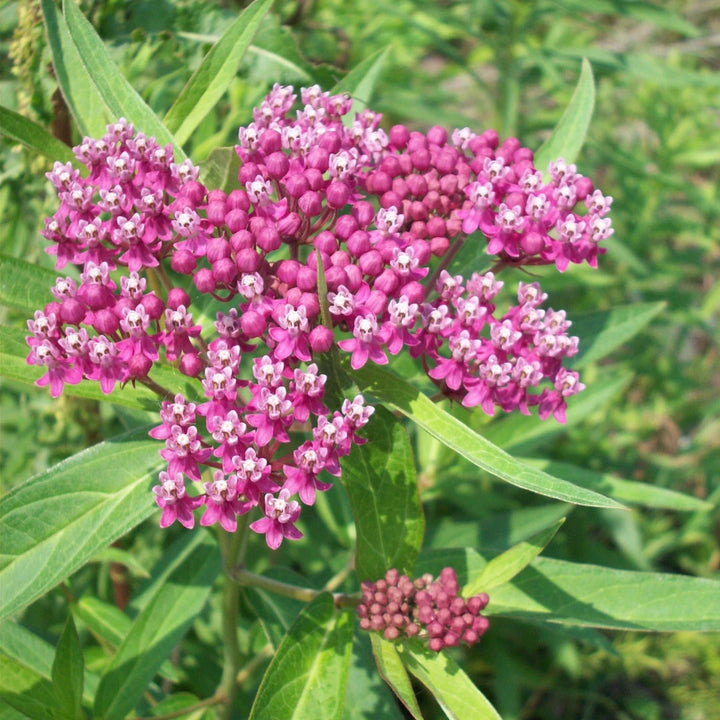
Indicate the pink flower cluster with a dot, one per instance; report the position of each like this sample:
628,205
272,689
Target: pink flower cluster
338,233
426,608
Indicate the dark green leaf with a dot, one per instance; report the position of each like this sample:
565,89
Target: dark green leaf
67,674
37,138
380,480
310,668
393,672
25,690
157,629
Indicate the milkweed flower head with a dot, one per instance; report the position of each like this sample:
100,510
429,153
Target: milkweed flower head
337,234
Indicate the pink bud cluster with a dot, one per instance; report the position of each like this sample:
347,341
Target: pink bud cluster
427,608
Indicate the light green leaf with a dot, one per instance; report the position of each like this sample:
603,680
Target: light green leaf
506,566
89,110
569,135
157,629
25,690
459,437
117,93
122,557
380,480
393,672
603,331
56,521
21,129
451,687
24,286
310,668
360,81
216,72
588,595
220,169
67,674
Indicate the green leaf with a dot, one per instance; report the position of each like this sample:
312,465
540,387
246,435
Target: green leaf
603,331
216,72
157,629
360,81
121,557
380,480
117,93
56,521
21,129
89,110
459,437
393,672
588,595
506,566
569,135
25,690
24,286
67,674
220,169
451,687
310,668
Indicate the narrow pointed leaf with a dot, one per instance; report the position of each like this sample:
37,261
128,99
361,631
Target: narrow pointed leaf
55,522
67,673
451,687
360,81
90,112
459,437
24,286
393,672
506,566
588,595
309,671
117,93
156,630
21,129
25,690
216,72
380,480
569,135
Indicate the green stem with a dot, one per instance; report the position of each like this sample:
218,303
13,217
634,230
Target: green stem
244,577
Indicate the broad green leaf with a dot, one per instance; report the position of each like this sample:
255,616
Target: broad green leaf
603,331
117,93
67,674
220,169
588,595
216,72
626,491
55,522
506,566
569,135
37,138
380,480
156,631
89,110
360,81
393,672
459,437
310,668
451,687
24,286
25,690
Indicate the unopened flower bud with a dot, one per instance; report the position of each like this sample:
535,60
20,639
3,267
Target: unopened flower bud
183,262
176,298
154,306
204,280
321,339
310,203
139,366
190,364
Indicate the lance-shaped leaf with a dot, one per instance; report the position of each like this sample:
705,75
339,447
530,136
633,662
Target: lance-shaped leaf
67,674
120,97
157,629
26,690
216,72
393,672
24,286
459,437
309,672
588,595
380,480
451,687
569,134
89,110
37,138
360,81
56,521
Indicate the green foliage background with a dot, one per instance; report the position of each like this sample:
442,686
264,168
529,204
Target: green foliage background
654,144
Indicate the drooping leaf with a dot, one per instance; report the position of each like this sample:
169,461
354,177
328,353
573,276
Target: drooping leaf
212,78
393,672
459,437
310,668
380,480
451,687
120,97
21,129
56,521
67,674
569,134
157,629
507,565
